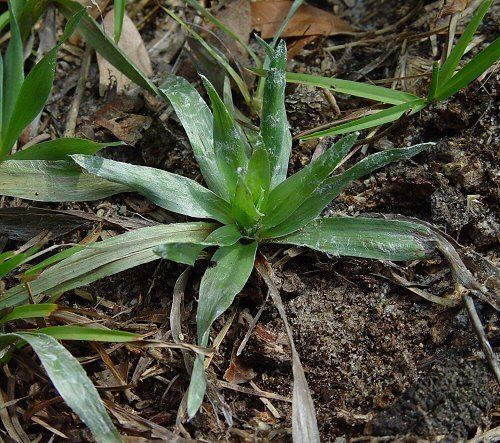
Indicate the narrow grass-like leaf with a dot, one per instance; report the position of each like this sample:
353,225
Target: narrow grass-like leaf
73,384
449,66
357,89
267,60
60,148
119,14
274,126
206,13
434,82
219,286
170,191
53,259
13,73
106,258
238,80
364,237
15,260
96,37
197,120
379,118
229,145
88,333
30,311
35,89
290,194
472,70
333,186
57,181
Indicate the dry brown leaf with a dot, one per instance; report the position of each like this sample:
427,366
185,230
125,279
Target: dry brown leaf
267,16
238,372
132,45
452,7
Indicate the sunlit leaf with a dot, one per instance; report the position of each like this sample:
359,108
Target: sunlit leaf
29,311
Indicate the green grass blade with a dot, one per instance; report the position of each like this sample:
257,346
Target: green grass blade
13,75
57,181
230,149
73,385
357,89
379,118
206,13
119,14
238,80
290,194
52,260
1,104
471,71
333,186
13,262
458,50
106,258
219,286
197,120
364,237
35,89
170,191
30,311
4,20
95,36
88,333
60,149
274,126
434,82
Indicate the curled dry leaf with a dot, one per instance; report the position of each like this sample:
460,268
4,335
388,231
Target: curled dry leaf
267,17
132,45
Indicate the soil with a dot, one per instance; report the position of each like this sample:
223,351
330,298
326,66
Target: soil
382,363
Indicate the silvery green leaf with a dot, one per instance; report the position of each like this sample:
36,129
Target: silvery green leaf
289,195
364,237
53,181
274,126
170,191
106,258
333,186
219,286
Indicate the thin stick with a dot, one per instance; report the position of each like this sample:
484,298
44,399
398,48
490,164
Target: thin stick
77,98
481,335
